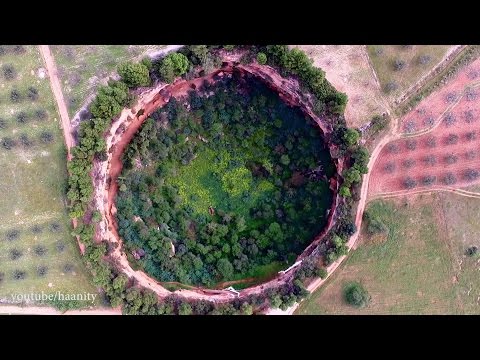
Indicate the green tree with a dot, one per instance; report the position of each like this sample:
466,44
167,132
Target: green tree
173,65
356,295
225,268
246,309
134,74
352,175
185,309
261,58
285,160
345,191
351,137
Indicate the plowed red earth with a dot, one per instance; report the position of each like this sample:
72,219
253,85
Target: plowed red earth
452,100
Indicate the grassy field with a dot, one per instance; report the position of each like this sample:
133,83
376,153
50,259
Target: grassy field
83,67
419,268
413,62
200,188
346,67
35,229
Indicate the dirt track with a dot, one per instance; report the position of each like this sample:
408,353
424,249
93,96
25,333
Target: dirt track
57,92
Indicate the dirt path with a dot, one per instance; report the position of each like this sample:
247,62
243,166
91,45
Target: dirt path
57,92
44,310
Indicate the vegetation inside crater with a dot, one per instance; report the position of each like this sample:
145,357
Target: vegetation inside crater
219,185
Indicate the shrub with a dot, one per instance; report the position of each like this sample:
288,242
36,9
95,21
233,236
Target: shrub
55,227
391,86
411,144
25,141
15,254
3,124
9,72
261,58
12,235
355,295
32,93
469,117
42,270
19,49
8,143
19,275
409,183
393,148
46,137
22,117
15,96
378,123
431,142
471,251
41,114
68,268
390,167
40,250
36,229
451,159
470,94
410,126
60,246
451,97
470,155
378,50
399,64
452,139
429,180
449,119
471,174
408,163
134,74
424,59
449,179
429,121
374,224
2,277
430,160
471,135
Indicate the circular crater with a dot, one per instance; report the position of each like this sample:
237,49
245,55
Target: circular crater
225,186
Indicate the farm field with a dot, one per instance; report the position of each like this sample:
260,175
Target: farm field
448,154
399,67
37,252
420,267
83,67
348,69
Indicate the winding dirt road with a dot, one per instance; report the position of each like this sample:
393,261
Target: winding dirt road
57,92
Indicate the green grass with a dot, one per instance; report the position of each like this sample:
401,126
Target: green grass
32,184
83,67
409,273
383,57
205,182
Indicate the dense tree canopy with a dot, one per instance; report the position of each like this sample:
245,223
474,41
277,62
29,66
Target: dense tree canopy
234,185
